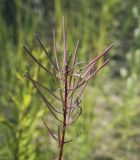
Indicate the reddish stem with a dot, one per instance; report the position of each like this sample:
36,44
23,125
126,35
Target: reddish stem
64,114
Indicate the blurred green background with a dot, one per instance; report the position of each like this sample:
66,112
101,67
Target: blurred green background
111,112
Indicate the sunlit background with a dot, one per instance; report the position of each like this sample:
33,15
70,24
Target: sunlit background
110,123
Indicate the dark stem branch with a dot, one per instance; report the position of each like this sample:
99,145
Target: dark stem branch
64,114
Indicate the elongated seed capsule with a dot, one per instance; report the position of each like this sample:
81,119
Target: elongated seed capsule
69,59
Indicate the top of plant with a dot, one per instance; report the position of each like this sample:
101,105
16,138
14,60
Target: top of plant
71,82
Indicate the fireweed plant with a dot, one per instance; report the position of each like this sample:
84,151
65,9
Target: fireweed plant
71,85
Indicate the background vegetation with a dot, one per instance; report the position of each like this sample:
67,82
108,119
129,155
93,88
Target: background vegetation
111,112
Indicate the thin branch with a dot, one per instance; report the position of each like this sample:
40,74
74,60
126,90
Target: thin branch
30,54
59,136
49,130
56,55
55,50
48,104
80,112
60,89
82,90
88,70
73,63
34,83
44,87
44,49
93,74
75,55
78,135
64,43
74,106
71,99
98,69
98,57
75,87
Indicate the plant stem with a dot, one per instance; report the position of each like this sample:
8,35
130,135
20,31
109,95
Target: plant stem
64,114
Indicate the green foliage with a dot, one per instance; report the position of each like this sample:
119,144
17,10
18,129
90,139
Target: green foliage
110,119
